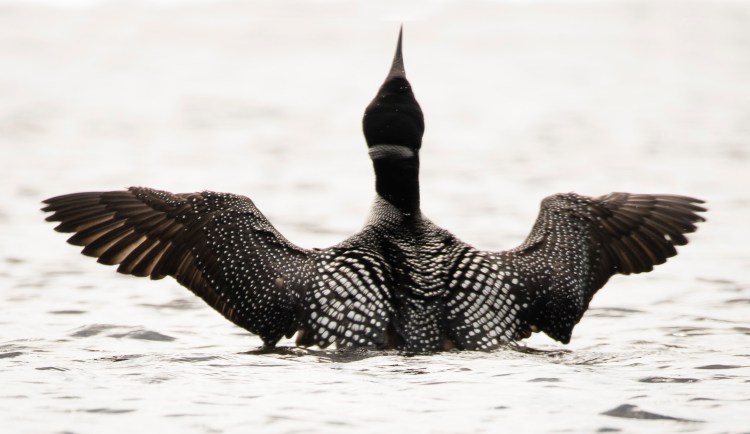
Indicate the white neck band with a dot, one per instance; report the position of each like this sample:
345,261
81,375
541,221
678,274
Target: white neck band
391,151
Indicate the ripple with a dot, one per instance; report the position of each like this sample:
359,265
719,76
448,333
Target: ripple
10,355
157,379
176,304
628,411
738,301
520,348
62,272
349,355
281,351
120,358
91,330
146,335
108,410
611,312
668,380
142,334
718,366
342,355
689,331
411,371
196,359
67,312
715,280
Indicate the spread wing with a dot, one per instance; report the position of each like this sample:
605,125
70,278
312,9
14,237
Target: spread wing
575,246
217,245
224,250
579,242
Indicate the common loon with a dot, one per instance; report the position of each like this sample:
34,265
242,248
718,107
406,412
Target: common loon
402,282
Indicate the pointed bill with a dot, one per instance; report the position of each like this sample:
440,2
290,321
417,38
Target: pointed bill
397,68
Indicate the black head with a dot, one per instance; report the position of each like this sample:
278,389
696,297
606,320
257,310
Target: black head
394,117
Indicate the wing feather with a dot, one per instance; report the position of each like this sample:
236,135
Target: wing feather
217,245
579,242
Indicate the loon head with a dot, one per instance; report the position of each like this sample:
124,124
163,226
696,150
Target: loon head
393,123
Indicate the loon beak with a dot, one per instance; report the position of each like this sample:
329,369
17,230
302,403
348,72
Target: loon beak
397,68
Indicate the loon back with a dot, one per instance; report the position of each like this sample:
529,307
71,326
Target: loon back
402,282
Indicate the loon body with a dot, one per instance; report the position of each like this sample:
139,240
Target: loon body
402,282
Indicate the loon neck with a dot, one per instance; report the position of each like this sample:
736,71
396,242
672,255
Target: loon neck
397,181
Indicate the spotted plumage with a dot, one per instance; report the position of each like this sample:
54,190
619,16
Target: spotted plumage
402,282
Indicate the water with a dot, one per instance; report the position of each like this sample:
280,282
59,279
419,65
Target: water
521,101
